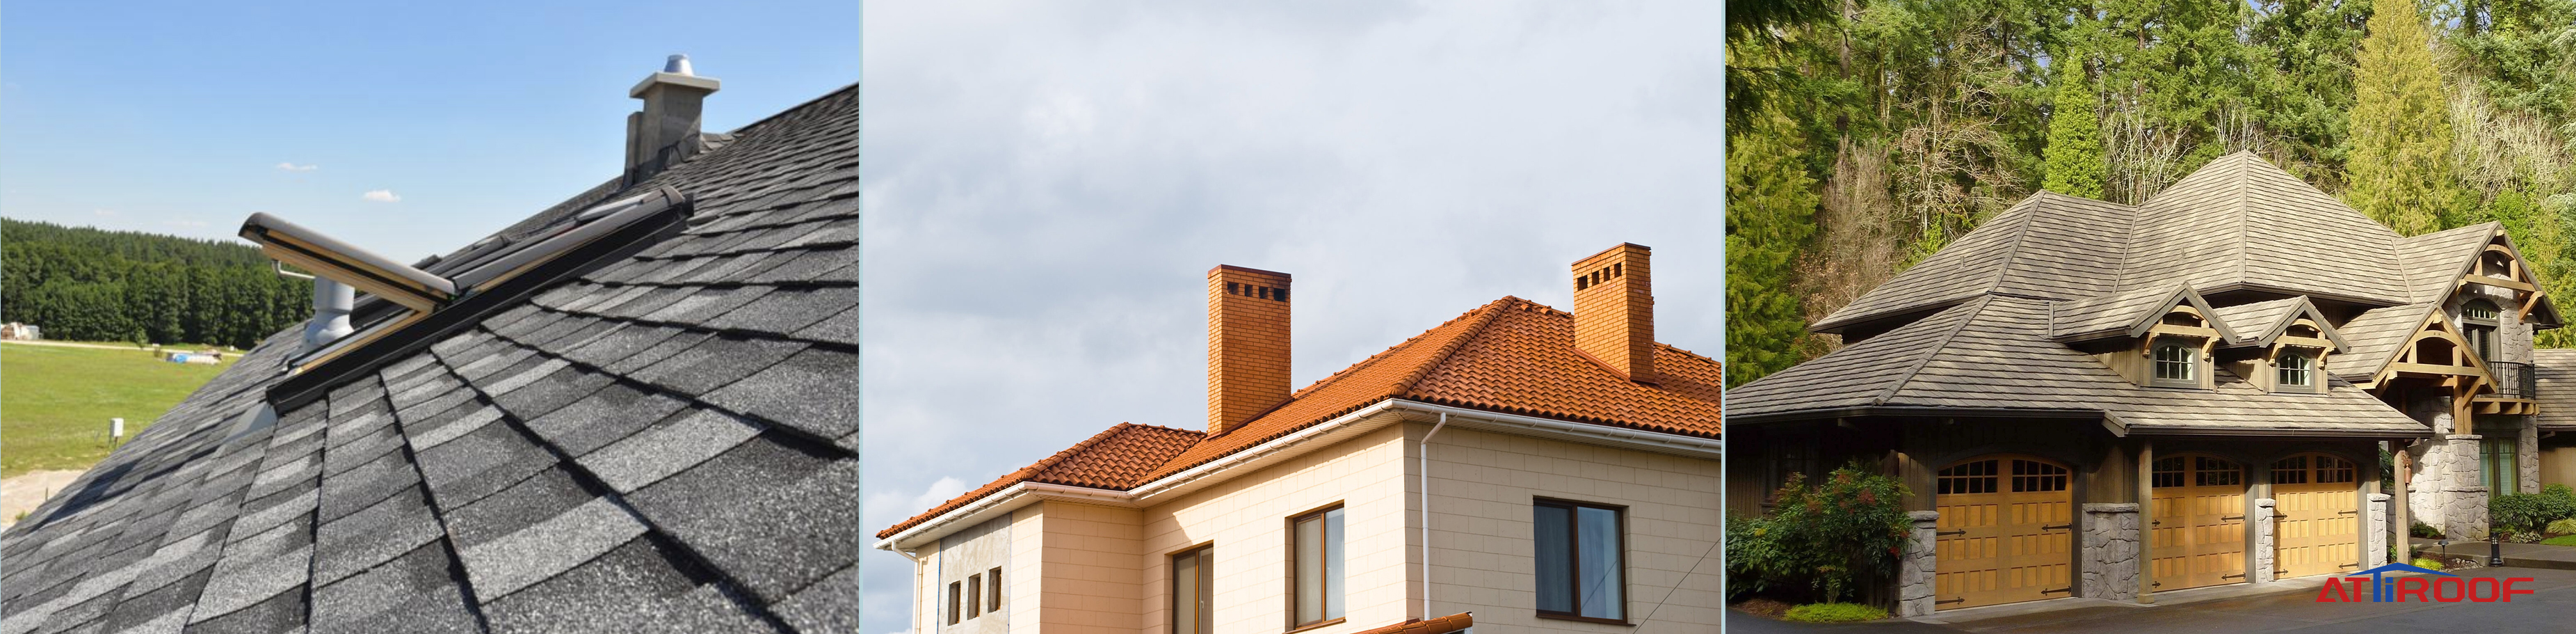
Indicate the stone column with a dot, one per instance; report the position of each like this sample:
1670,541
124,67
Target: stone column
2110,552
2264,538
1914,573
2463,496
2374,532
2526,451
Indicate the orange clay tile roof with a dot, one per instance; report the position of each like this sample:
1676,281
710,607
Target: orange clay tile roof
1512,356
1443,625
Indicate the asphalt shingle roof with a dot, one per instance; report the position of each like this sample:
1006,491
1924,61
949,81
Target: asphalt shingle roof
667,444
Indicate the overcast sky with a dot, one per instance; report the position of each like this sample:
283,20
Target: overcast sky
1047,184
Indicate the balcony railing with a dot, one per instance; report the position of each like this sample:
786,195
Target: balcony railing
2513,380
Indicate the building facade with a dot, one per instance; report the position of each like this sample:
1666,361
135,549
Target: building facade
1518,467
2100,400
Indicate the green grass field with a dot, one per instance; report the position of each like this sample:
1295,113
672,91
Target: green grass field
55,401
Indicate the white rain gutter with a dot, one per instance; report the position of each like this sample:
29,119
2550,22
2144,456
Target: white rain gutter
1344,425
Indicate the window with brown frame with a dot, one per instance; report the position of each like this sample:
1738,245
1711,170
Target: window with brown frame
1582,571
993,597
1315,567
956,595
1194,591
974,596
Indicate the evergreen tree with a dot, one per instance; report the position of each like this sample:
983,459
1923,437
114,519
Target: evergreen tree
2401,131
2074,155
1770,213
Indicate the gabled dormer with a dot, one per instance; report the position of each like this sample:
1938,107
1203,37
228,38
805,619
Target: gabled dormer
2160,338
2285,346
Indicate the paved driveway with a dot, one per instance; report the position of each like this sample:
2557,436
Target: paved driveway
2552,608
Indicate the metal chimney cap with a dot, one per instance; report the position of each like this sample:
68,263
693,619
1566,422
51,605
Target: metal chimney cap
678,65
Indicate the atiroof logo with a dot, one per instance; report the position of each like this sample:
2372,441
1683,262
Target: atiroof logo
2443,587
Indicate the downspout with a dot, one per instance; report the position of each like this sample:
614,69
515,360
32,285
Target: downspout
916,588
1425,452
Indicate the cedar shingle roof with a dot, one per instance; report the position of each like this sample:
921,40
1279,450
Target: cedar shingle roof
667,443
2554,372
1512,356
2239,230
1961,356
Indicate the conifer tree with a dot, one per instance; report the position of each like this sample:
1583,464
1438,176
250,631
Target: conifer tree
1770,213
2401,133
2073,158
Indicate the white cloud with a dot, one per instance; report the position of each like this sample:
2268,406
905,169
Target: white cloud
103,213
382,196
291,167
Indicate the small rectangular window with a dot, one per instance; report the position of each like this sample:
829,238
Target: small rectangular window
993,598
1581,565
956,595
1193,592
974,596
1316,570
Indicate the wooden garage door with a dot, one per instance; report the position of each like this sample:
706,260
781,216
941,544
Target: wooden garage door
2316,502
2196,524
2006,532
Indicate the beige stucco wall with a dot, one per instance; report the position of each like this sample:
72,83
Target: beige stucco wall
969,555
1482,557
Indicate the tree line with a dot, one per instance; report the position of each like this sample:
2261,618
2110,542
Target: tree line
90,284
1864,135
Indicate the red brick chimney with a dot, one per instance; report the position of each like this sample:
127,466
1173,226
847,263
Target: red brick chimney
1614,310
1247,345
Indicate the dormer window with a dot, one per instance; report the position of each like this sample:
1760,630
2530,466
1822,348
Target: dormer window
2177,363
2478,323
2294,371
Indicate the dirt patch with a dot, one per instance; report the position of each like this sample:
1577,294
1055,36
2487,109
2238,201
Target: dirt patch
1766,608
23,493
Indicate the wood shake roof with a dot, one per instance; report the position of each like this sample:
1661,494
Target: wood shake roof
1511,356
2001,305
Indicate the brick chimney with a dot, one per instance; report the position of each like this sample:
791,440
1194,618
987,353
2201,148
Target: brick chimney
1247,345
666,132
1614,310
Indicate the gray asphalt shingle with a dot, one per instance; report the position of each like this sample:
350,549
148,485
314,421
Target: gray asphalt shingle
498,478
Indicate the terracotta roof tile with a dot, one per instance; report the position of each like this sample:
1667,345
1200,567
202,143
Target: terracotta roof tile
1113,459
1511,356
1444,625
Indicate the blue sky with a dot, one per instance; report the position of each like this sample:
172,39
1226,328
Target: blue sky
184,118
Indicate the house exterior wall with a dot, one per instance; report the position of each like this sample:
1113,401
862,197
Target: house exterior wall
2557,463
1483,558
2108,485
1246,519
966,555
1086,568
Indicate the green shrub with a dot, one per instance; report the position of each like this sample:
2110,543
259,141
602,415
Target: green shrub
1834,613
2531,511
2428,563
2423,530
1823,539
2561,527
